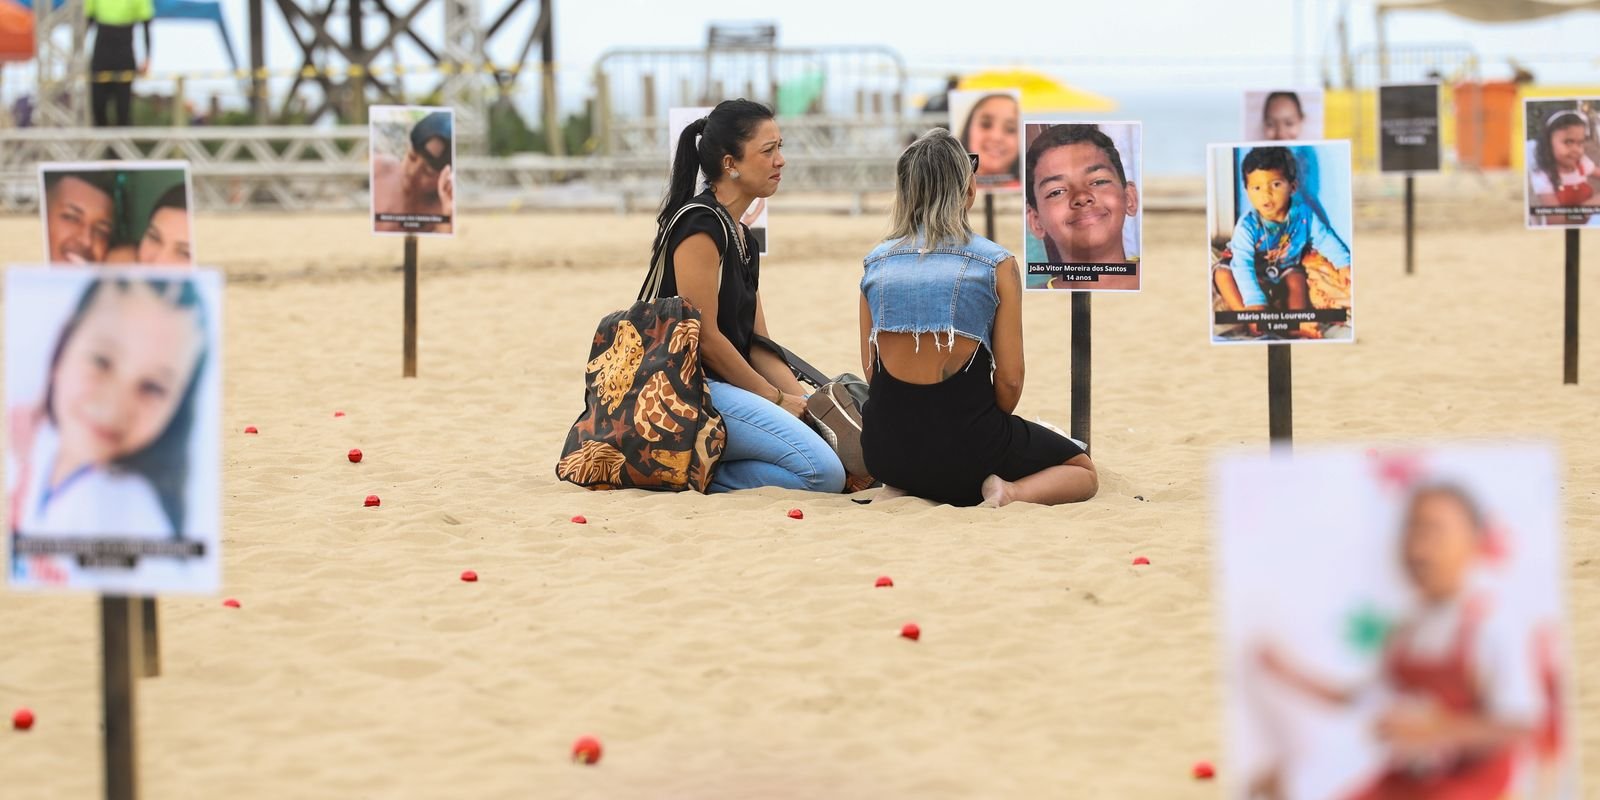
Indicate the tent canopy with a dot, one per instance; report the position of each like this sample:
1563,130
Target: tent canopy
1492,10
16,32
202,10
1040,92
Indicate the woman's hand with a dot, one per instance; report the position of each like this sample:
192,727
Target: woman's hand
794,404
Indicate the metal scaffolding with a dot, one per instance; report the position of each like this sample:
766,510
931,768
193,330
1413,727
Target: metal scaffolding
62,98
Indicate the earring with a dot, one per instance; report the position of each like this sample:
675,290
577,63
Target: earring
733,173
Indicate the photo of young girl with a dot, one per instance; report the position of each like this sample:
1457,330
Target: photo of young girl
116,212
113,404
990,125
1562,151
1424,659
1280,220
1279,115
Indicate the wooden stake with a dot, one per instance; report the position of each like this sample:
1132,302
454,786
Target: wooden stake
1080,366
1569,350
1411,223
1280,396
120,648
410,345
151,645
988,216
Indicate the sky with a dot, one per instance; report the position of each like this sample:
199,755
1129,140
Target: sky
1125,45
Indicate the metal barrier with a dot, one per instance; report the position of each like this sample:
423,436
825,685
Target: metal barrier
634,87
324,169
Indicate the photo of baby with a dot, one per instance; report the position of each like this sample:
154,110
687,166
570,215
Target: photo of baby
1424,658
1081,215
755,217
413,151
1561,157
113,399
989,123
1278,115
116,212
1280,220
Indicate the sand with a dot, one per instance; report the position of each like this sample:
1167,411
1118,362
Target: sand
718,648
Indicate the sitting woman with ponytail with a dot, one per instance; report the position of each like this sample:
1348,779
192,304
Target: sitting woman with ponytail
738,149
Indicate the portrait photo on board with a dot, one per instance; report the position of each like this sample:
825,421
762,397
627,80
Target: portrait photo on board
1081,215
989,125
1283,114
116,212
1280,220
1392,624
755,217
413,150
113,405
1562,161
1408,127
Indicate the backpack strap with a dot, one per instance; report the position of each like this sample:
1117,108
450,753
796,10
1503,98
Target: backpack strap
651,289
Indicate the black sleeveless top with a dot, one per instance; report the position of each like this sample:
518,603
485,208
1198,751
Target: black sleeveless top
736,302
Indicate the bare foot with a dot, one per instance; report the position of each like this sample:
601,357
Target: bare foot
889,493
996,492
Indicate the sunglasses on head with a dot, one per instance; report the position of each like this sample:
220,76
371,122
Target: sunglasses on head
973,157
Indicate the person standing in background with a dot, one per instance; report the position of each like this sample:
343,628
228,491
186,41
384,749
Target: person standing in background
113,52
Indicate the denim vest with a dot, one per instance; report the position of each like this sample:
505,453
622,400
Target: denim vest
948,289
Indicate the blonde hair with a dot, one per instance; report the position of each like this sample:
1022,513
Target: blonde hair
930,191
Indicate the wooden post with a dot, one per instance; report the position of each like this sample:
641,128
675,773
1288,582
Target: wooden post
602,112
180,98
877,104
151,636
1411,222
410,370
1280,396
1569,350
988,216
647,88
1081,351
555,140
119,648
258,63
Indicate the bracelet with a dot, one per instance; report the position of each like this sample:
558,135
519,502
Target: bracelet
779,400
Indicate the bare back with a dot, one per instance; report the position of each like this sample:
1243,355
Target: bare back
914,358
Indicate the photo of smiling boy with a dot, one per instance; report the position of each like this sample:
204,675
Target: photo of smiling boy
1082,213
1280,270
116,212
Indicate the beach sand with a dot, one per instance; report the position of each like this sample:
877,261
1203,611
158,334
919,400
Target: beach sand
718,648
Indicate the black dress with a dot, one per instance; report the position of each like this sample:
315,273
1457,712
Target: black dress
736,301
939,441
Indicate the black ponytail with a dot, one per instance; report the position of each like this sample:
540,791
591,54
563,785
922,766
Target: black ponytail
723,132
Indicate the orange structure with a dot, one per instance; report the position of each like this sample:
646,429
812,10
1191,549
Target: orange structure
16,32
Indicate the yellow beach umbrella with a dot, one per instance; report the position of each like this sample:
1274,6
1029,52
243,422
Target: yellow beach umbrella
1040,92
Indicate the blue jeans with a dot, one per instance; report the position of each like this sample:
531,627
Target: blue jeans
768,446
